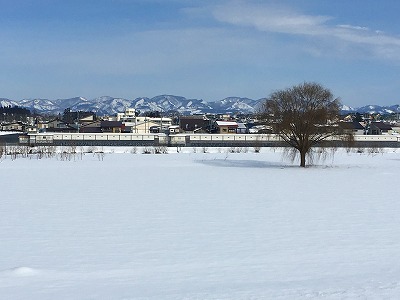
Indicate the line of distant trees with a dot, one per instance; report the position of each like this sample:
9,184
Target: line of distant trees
71,117
14,113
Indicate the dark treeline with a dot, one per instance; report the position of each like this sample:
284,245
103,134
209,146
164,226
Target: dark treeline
71,117
14,113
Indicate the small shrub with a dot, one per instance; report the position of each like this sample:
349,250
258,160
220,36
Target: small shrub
91,149
2,150
160,150
100,155
147,150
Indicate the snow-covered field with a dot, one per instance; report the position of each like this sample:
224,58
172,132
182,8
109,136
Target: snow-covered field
200,226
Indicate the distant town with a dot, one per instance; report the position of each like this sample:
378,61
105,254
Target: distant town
86,125
132,121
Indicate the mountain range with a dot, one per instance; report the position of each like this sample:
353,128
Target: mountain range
107,105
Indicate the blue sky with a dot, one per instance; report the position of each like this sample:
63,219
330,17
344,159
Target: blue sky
199,49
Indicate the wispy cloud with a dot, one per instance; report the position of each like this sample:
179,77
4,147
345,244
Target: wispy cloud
270,18
275,19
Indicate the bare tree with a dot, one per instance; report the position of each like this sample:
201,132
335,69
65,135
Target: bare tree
303,116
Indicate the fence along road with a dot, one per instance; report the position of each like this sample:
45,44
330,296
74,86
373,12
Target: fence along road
191,140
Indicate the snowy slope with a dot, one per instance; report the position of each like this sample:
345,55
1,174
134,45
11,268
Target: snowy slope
372,109
4,102
236,104
41,105
200,226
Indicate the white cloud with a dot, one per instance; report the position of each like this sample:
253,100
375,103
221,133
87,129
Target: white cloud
270,18
346,26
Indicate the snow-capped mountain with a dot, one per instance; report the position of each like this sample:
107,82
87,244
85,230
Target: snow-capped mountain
372,109
40,105
107,105
104,105
172,103
235,104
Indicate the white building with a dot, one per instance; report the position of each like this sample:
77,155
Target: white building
128,116
143,124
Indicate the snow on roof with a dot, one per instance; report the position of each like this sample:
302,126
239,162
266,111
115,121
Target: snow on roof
227,123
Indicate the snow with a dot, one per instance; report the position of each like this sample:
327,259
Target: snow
6,102
200,226
20,272
347,108
9,132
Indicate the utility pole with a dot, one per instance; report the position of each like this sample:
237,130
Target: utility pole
77,120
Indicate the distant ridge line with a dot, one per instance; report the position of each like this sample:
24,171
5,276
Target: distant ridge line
107,105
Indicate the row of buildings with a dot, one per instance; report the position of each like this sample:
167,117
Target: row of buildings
130,122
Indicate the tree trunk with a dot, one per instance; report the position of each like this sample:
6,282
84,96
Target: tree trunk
303,158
